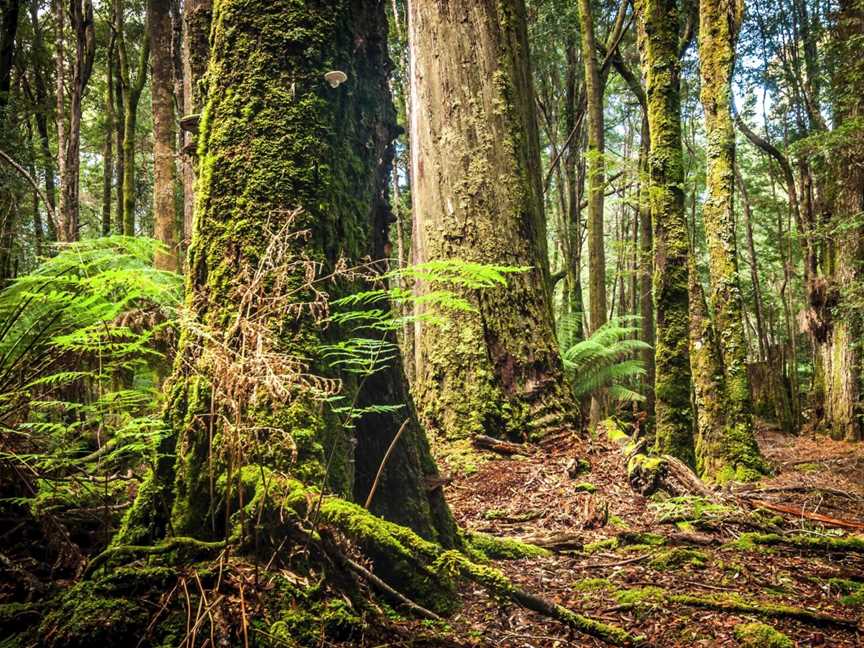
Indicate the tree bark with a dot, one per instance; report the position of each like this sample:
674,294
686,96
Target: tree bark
164,137
108,145
9,10
277,164
197,15
132,88
658,26
477,196
42,114
81,22
737,453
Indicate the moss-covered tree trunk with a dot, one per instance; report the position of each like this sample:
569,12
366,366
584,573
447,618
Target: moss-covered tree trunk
477,196
737,453
840,350
197,15
164,137
288,163
658,44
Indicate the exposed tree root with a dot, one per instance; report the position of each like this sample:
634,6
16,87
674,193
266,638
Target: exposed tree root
135,551
850,544
497,445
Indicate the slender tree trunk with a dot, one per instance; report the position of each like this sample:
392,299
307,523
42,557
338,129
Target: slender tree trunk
42,114
477,196
132,88
197,15
736,455
108,145
164,136
81,20
658,26
60,112
315,159
646,264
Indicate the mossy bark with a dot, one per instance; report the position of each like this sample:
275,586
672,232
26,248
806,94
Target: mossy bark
737,453
275,138
477,196
839,350
658,26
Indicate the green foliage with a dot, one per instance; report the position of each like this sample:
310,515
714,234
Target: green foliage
83,340
606,360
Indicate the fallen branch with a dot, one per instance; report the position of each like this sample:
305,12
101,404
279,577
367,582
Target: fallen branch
5,156
497,445
554,541
364,573
827,520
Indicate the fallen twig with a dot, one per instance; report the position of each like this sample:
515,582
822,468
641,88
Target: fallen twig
497,445
827,520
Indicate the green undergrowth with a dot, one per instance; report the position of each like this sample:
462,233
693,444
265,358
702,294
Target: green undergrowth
852,592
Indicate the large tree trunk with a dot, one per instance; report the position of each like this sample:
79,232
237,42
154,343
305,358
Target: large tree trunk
646,264
197,15
477,197
81,20
737,453
658,37
840,350
302,171
164,137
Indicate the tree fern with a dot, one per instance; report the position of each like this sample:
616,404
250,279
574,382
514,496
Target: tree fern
607,361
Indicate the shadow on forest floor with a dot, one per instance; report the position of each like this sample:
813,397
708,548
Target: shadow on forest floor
633,545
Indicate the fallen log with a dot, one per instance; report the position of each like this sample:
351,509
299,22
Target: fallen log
497,445
827,520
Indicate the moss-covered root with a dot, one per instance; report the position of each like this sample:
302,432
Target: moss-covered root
849,544
455,565
135,551
759,635
731,603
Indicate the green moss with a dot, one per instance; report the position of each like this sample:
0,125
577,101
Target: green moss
764,541
83,616
852,591
759,635
600,545
642,538
494,548
643,596
307,625
679,558
585,487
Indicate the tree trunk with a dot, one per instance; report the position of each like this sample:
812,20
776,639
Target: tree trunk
840,351
132,89
81,20
108,145
477,197
41,114
658,26
646,264
596,172
278,164
197,15
164,138
737,454
9,10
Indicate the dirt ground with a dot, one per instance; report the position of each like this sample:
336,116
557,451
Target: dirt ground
536,494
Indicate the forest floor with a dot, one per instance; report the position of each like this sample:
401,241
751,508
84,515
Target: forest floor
613,576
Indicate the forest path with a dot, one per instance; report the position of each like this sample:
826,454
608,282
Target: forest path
686,546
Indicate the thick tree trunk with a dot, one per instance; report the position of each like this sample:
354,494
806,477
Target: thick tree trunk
658,35
277,163
197,15
164,137
477,197
840,351
737,454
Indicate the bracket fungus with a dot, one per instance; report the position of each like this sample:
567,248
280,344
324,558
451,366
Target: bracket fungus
335,78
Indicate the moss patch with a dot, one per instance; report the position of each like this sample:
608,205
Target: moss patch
759,635
678,558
